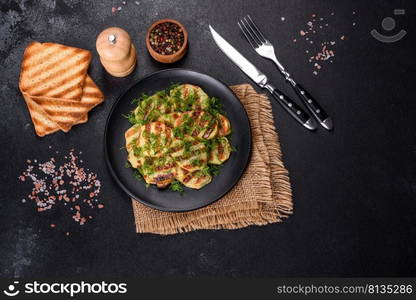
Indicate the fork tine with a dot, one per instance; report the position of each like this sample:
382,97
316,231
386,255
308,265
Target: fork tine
249,39
252,32
256,28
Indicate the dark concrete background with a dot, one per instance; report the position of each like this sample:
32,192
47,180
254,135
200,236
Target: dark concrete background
354,189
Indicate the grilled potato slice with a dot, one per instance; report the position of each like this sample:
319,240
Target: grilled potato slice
194,180
224,126
155,139
220,151
150,108
189,97
170,119
189,153
160,170
135,160
198,124
131,135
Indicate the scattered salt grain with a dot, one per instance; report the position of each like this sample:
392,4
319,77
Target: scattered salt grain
283,19
315,34
60,184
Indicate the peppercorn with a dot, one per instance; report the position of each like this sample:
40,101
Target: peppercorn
166,38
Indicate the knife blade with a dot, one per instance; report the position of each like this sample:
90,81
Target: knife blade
262,81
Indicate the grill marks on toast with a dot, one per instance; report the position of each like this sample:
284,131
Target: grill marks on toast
66,88
54,70
40,119
66,112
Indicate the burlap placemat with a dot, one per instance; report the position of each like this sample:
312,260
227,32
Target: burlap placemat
263,194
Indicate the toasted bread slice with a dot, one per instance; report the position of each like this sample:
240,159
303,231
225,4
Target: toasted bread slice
67,112
54,70
40,119
83,120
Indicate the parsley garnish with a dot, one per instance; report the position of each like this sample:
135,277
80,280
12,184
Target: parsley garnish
215,107
171,87
211,169
130,116
187,147
176,186
141,98
138,175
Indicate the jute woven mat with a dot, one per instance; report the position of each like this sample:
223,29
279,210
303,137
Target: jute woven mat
263,194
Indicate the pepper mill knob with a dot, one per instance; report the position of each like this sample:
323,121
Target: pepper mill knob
112,39
117,53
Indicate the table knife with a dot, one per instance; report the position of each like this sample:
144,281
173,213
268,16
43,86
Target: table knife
262,81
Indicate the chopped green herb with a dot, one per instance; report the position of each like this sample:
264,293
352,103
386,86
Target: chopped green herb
138,175
214,169
196,162
178,132
140,99
211,169
215,107
137,150
187,147
176,186
171,87
130,116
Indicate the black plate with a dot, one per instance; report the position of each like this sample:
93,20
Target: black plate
165,199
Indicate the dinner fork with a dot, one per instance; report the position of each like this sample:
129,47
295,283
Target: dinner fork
265,49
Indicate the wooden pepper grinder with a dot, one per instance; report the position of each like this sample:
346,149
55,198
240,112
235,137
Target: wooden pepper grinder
117,52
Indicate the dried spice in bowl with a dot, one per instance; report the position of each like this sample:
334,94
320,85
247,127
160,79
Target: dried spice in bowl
167,40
